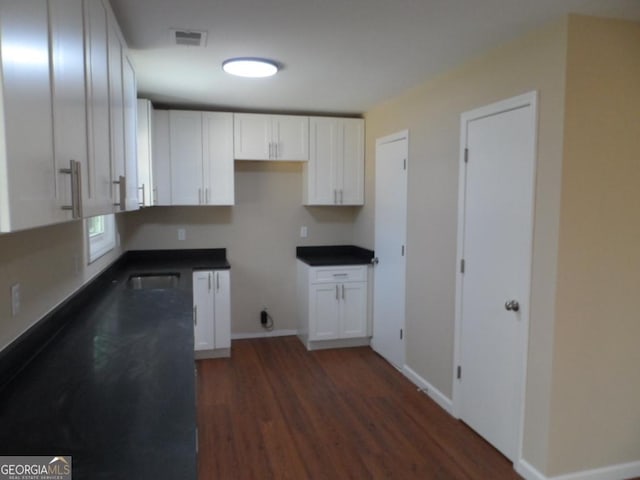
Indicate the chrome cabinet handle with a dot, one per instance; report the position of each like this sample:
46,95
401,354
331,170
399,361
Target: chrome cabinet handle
199,196
195,315
337,293
209,280
217,281
206,196
76,185
512,305
122,192
142,203
335,196
343,292
341,197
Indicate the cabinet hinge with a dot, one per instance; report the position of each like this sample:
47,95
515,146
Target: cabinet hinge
462,266
466,155
459,372
401,333
404,164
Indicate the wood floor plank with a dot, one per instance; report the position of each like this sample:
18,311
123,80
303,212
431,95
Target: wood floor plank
276,411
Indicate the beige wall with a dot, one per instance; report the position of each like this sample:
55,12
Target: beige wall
260,232
431,113
595,408
50,265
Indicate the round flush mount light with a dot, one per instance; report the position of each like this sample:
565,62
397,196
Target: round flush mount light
250,67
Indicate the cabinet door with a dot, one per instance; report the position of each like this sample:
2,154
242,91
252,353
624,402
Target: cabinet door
290,137
218,158
144,123
351,171
222,308
160,159
97,189
69,105
116,115
324,155
203,313
185,132
324,323
252,136
353,310
133,199
27,177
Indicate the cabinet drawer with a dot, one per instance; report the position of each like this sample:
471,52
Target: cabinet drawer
338,274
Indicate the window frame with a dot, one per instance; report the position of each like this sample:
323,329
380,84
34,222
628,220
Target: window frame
99,244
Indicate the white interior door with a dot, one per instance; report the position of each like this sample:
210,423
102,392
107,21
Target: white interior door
390,240
495,245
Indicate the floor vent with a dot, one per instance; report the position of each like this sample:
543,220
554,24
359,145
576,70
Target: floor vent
189,38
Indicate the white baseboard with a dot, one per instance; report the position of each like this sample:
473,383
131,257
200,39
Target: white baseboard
435,394
614,472
265,334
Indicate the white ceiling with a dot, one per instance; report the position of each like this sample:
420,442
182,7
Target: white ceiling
339,56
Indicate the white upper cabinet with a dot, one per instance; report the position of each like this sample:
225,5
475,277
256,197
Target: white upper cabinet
271,137
160,158
32,190
62,111
116,115
217,138
185,141
129,89
97,187
201,158
145,151
334,174
69,105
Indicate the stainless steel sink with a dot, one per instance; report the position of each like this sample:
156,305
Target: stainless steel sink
153,281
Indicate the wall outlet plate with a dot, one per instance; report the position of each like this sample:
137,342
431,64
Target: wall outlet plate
15,299
182,234
304,231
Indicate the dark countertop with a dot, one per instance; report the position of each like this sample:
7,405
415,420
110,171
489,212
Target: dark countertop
115,388
334,255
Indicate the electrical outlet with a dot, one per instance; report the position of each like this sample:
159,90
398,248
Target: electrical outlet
15,299
182,234
304,231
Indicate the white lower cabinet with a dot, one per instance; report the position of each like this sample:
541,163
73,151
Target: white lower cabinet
333,306
212,313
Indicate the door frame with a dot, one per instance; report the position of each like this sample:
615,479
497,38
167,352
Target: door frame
527,99
395,137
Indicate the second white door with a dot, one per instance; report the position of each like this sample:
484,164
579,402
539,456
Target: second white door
495,224
390,238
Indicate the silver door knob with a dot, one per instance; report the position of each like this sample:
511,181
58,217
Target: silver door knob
512,305
375,261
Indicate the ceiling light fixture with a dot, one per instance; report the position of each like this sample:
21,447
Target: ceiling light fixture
250,67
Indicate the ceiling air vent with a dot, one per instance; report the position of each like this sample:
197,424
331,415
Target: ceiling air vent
189,38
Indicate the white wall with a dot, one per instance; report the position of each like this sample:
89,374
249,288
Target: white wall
260,232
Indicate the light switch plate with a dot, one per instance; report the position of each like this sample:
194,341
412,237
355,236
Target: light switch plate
304,231
182,234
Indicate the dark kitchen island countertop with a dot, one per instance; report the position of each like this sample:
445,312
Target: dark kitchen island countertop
115,387
334,255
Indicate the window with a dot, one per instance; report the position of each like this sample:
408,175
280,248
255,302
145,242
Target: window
101,235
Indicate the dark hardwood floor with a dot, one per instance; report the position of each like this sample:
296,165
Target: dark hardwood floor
276,411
